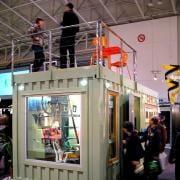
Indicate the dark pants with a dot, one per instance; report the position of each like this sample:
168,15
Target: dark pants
177,169
67,43
39,57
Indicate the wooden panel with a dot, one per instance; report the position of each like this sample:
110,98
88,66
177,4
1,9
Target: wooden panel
26,86
70,83
52,174
56,174
56,84
75,82
70,73
75,175
60,175
70,175
51,84
29,172
60,82
65,175
29,87
45,173
46,85
39,173
26,171
82,177
35,173
42,85
33,77
37,86
64,84
34,86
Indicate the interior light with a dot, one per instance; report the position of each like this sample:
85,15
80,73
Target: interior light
21,88
83,82
108,85
155,77
128,91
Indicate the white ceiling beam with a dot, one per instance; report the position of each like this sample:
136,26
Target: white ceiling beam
82,18
15,12
107,10
19,6
45,12
174,6
9,27
139,8
4,39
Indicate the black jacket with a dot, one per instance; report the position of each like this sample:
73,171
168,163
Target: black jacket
70,18
134,150
174,155
152,142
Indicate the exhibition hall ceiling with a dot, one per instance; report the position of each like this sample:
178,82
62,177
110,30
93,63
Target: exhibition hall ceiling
17,15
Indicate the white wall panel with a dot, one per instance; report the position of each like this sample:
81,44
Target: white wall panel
159,47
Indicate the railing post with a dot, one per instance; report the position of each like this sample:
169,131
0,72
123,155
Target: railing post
99,44
121,46
50,49
12,61
134,66
5,54
86,40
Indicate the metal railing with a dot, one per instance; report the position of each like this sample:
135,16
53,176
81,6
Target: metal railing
20,47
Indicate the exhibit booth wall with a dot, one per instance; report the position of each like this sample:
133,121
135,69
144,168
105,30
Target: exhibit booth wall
101,95
156,42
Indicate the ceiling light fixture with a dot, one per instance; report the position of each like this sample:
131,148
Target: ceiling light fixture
155,77
155,73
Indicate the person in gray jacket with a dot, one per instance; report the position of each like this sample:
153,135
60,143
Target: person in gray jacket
37,43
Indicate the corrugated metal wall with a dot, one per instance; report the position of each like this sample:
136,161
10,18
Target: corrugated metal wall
38,85
42,173
94,126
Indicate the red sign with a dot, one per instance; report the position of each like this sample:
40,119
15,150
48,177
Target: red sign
141,38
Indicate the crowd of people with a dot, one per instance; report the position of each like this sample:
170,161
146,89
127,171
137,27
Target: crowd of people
5,144
69,27
142,151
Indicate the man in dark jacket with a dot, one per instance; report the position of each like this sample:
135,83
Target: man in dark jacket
133,152
67,41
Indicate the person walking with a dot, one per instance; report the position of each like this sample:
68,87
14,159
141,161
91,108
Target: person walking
174,156
152,138
37,43
133,152
163,132
67,40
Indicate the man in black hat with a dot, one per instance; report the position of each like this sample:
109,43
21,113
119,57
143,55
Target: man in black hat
67,41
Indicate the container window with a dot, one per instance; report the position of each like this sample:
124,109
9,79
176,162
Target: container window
53,128
113,126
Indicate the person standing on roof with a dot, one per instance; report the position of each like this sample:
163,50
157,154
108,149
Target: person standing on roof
37,43
67,41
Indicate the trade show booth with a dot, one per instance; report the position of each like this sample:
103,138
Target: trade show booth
67,122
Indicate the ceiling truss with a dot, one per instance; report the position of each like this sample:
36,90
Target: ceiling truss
111,11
